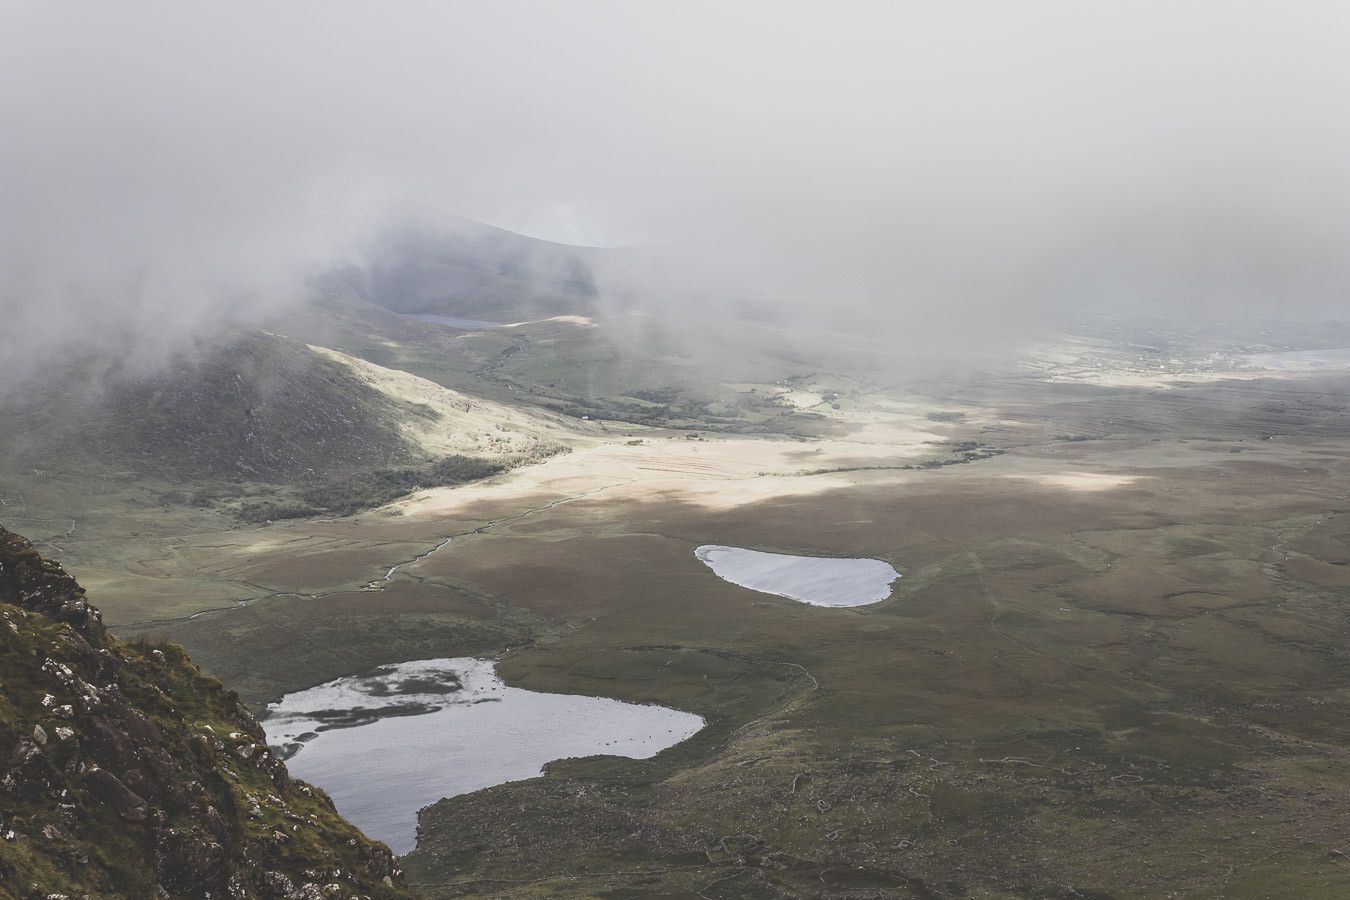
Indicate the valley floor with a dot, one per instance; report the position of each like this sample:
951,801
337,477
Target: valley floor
1115,664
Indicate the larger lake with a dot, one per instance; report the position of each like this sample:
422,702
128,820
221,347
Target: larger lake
389,742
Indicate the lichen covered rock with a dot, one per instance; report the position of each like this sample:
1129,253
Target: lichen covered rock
127,772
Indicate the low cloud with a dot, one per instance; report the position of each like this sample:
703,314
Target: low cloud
951,174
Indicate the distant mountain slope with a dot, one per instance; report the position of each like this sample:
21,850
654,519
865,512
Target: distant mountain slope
128,773
265,427
471,269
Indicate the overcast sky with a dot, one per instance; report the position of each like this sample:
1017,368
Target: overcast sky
164,162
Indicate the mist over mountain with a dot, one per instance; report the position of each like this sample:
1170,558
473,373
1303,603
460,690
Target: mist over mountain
939,175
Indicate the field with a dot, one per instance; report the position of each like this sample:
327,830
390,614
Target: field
1115,664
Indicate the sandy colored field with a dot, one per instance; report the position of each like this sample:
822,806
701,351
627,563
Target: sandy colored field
189,563
455,422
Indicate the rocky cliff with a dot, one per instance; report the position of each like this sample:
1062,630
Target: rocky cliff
127,772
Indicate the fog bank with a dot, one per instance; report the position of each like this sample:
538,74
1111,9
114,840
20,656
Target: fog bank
945,175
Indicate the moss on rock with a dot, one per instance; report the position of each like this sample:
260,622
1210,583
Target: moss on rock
127,772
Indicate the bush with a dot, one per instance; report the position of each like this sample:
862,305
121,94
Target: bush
273,510
208,494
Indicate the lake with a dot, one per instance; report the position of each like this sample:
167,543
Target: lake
386,743
818,580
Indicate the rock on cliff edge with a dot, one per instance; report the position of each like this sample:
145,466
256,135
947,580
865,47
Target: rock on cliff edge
127,772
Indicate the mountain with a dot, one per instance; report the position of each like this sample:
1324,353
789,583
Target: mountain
264,427
129,773
469,269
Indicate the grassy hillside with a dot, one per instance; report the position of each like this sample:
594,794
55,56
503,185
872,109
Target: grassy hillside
255,407
262,427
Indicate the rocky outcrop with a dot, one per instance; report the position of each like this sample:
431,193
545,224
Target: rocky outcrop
127,772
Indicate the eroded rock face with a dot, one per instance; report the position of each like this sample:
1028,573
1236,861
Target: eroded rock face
30,581
126,772
107,787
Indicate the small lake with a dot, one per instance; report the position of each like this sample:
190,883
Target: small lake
391,741
455,322
818,580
